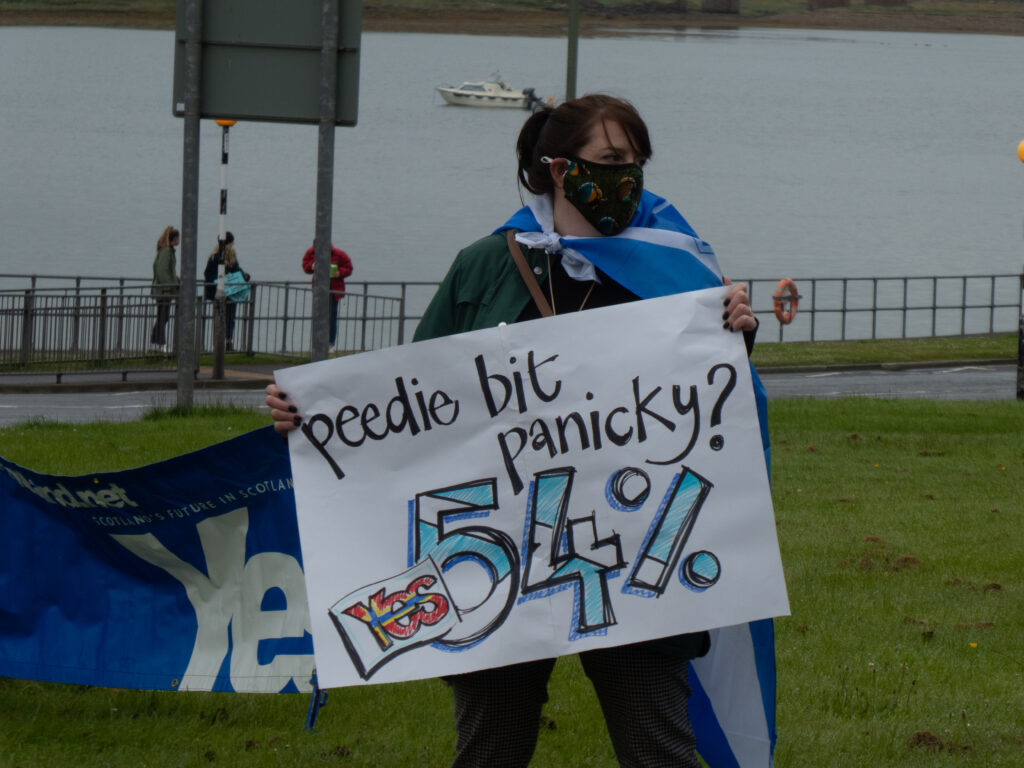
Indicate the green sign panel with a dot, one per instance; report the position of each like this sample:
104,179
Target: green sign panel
260,60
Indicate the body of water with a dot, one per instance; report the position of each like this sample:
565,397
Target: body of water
809,154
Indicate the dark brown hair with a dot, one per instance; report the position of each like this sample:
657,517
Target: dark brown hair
563,130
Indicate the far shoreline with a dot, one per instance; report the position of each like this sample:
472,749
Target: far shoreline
554,23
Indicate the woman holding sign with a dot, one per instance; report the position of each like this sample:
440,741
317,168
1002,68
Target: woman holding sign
592,236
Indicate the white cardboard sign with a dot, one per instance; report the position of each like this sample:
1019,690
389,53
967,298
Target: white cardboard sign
532,490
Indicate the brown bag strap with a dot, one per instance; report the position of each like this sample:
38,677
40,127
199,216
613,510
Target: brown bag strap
528,277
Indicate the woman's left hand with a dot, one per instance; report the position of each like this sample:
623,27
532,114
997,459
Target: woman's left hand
738,316
285,415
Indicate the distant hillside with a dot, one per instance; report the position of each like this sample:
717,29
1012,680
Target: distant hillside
598,17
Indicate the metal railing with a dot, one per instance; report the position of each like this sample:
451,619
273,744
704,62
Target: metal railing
81,325
90,326
846,308
278,319
81,322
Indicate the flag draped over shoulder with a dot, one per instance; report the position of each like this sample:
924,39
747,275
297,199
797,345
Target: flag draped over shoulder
659,248
732,708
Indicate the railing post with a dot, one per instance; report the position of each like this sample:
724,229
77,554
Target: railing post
874,306
250,324
401,315
284,319
119,347
935,301
1020,338
963,305
219,334
199,329
773,297
814,314
77,319
101,343
200,304
842,313
991,303
26,325
903,314
363,337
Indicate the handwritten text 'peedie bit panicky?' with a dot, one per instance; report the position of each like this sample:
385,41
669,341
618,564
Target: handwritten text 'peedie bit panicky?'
531,383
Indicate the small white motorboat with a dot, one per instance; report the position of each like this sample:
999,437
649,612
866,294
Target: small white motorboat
487,93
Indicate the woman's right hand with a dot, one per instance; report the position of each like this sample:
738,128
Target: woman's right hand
286,416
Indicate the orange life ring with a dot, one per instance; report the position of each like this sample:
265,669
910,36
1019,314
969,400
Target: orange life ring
785,294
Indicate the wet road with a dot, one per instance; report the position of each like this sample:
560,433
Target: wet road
961,382
112,406
964,382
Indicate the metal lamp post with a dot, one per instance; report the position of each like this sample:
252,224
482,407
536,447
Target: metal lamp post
184,327
1020,321
574,36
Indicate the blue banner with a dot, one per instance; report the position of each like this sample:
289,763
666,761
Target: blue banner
180,575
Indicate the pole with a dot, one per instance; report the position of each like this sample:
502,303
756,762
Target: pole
1020,322
325,179
184,328
225,128
1020,341
220,300
574,34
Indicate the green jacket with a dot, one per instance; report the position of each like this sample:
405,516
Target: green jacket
482,289
165,281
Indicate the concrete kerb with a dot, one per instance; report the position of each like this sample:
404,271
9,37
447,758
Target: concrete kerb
258,376
255,377
767,370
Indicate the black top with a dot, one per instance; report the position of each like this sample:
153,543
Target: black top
570,294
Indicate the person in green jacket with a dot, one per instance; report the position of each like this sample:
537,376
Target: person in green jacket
165,285
583,161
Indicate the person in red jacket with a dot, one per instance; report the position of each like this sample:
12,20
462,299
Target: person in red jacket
341,267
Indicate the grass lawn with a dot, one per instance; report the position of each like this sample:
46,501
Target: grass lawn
901,525
1001,346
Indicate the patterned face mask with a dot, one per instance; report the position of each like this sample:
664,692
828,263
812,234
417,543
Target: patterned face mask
606,195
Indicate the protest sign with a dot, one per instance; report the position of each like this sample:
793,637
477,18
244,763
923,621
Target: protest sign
532,490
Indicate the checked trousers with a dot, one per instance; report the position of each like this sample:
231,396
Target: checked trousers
642,692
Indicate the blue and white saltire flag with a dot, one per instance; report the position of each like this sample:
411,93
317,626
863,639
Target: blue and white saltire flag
732,708
658,248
